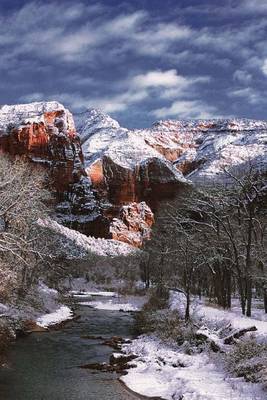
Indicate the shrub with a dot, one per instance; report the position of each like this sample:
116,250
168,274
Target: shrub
248,359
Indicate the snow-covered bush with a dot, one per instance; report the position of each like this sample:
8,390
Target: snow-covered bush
248,359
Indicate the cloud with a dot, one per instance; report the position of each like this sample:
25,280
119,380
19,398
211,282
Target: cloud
158,78
169,83
78,102
248,94
264,67
183,109
124,24
159,38
252,6
165,59
76,33
37,96
242,76
161,85
247,8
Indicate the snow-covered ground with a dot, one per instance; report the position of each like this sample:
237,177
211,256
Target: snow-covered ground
216,316
235,318
165,371
120,303
42,305
82,294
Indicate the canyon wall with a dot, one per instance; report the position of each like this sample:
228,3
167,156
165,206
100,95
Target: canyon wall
109,180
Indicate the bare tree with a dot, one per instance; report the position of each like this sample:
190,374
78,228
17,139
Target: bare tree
219,230
23,199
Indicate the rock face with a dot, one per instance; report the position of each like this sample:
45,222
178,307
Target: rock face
132,163
124,163
45,133
108,178
133,166
133,225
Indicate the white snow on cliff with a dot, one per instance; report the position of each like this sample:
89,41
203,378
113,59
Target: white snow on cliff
76,244
210,146
24,113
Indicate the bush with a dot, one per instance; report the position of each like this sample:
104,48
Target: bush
6,335
156,302
157,318
249,360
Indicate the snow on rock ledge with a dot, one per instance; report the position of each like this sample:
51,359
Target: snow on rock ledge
200,149
122,160
76,245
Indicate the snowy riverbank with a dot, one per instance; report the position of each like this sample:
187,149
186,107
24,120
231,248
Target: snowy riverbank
166,370
42,306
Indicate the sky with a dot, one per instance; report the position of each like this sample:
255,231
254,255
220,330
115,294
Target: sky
137,60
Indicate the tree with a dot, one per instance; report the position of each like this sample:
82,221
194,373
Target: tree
23,199
221,230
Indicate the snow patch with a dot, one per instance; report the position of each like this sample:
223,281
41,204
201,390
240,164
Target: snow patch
123,303
76,293
164,371
63,313
76,244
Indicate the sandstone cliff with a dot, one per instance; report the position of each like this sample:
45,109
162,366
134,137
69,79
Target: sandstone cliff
45,133
108,178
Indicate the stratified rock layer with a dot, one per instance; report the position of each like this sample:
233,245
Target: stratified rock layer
45,133
145,160
130,171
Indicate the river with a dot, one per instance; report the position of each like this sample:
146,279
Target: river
44,366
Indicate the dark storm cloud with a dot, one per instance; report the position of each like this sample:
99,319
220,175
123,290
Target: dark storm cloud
138,60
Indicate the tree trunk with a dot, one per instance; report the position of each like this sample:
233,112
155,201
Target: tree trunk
147,276
242,295
248,261
229,289
187,309
249,296
265,300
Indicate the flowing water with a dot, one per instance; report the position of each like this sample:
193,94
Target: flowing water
44,366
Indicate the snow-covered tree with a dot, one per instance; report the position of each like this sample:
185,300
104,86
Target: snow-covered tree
23,199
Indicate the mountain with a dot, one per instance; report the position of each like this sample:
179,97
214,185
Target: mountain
200,149
108,179
45,133
123,162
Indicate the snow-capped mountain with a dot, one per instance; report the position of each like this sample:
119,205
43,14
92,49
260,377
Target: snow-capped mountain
93,120
45,133
200,149
24,114
108,176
